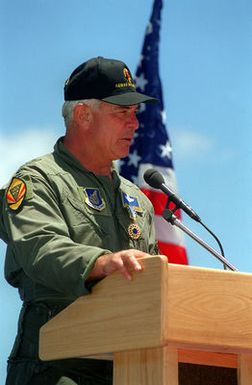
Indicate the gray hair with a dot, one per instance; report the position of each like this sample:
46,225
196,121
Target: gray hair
68,108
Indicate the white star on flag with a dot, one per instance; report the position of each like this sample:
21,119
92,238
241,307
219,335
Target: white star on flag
142,108
141,81
149,28
163,116
166,150
134,159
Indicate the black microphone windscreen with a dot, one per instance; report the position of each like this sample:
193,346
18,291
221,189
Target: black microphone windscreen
153,178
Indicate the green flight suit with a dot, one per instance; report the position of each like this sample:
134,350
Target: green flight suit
64,218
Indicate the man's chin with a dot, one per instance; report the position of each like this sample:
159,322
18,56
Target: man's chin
124,152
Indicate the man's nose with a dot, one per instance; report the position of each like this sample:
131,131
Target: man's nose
133,121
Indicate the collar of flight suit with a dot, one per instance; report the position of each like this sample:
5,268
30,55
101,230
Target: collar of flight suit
61,151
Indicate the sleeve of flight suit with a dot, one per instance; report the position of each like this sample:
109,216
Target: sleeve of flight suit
40,240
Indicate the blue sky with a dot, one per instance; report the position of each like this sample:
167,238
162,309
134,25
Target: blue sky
206,71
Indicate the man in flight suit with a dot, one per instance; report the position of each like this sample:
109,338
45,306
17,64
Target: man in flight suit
70,220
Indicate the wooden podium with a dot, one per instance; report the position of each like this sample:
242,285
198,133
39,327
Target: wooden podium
167,314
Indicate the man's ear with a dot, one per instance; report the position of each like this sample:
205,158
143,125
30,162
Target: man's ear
81,113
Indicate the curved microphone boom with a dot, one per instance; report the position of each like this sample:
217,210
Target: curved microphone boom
156,180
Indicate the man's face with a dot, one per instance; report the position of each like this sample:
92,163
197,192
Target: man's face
113,129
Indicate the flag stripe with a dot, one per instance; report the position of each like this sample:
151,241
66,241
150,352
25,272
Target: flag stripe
174,253
168,233
159,201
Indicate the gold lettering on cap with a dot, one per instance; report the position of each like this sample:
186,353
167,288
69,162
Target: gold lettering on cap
121,85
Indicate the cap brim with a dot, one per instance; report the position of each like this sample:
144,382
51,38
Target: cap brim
129,98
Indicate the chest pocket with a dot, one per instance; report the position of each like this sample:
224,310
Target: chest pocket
87,225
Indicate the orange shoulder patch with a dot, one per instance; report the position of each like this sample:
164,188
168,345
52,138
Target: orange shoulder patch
16,193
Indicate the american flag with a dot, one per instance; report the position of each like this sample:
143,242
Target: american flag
152,147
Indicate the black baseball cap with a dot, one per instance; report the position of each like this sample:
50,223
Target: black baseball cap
104,79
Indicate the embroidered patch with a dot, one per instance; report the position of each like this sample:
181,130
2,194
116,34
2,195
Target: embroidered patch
16,193
132,205
94,199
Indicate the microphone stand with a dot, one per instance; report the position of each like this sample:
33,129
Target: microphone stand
170,217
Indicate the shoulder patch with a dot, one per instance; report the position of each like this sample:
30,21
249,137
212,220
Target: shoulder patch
16,193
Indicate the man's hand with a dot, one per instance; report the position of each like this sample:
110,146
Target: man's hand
123,261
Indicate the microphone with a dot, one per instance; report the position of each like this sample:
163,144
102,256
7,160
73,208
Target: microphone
156,180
